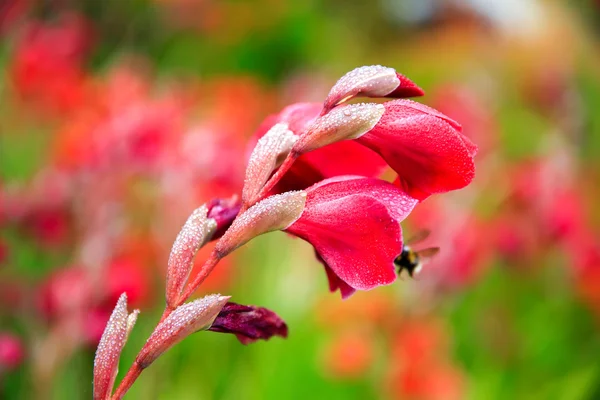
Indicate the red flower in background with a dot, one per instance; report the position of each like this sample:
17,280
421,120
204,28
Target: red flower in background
354,225
47,64
11,351
127,275
11,12
420,368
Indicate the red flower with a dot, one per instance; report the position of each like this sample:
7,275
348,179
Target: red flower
353,224
48,63
342,158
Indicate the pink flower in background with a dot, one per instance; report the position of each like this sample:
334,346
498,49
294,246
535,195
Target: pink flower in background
475,114
68,290
11,351
47,64
11,12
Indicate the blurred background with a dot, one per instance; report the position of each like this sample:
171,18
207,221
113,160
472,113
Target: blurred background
119,117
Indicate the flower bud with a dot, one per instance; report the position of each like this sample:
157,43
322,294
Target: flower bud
370,81
271,214
249,323
196,231
269,152
185,320
223,212
341,123
106,363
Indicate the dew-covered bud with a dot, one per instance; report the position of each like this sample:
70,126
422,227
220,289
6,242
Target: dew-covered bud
183,321
342,123
268,154
223,212
106,362
271,214
196,231
370,81
249,323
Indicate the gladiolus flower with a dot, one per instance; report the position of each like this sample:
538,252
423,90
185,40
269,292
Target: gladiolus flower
354,225
249,323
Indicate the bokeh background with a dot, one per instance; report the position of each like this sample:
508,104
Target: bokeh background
119,117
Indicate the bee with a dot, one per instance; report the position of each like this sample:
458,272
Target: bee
412,261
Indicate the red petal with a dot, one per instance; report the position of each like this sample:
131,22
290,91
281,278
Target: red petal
335,282
342,158
424,147
353,223
407,88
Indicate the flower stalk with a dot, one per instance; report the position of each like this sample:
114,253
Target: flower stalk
311,174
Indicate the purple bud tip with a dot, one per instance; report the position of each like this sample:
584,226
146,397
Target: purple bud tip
249,323
223,211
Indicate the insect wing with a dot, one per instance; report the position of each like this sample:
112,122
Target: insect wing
418,237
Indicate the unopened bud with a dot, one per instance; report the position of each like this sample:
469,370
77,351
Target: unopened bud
341,123
183,321
196,231
106,362
271,214
223,212
370,81
268,154
249,323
